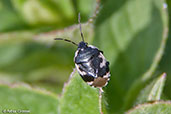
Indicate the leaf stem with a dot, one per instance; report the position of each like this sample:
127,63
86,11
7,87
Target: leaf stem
100,100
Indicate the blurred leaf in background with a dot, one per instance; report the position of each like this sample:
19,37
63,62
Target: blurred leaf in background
131,33
42,15
23,58
165,64
9,18
131,38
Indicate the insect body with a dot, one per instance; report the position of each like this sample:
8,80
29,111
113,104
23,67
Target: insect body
90,63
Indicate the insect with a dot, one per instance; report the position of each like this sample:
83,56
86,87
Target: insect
90,62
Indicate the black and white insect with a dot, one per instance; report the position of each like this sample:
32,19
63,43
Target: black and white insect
90,62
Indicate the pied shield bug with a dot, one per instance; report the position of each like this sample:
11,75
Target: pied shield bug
90,62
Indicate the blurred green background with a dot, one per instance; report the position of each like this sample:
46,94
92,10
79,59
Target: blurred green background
25,59
132,34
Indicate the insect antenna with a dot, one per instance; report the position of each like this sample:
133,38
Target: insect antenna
79,18
66,41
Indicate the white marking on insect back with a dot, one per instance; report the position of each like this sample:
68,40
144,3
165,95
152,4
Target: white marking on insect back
88,63
80,72
76,53
103,63
105,84
90,83
92,46
92,74
107,75
96,73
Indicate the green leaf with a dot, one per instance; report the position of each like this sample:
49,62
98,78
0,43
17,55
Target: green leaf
126,31
32,62
160,107
165,63
71,33
40,52
86,8
22,97
46,12
9,19
78,97
153,91
39,61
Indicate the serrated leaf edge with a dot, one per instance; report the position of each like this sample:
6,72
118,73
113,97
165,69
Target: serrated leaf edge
162,79
147,104
148,74
29,88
